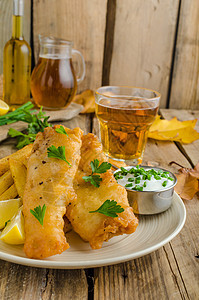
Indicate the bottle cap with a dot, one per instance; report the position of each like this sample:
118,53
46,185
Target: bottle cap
18,7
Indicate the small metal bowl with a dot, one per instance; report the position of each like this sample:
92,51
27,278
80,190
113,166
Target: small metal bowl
151,202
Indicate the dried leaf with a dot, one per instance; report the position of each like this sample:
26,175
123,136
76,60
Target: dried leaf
188,182
174,130
87,99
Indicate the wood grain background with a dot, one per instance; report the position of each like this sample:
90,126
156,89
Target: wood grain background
146,43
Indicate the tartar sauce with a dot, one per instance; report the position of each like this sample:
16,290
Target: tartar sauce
144,179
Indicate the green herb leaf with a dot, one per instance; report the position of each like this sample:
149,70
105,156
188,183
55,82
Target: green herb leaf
137,188
137,180
164,183
157,177
94,165
62,130
16,115
109,208
118,176
14,133
58,153
99,169
129,185
170,178
93,179
96,168
22,139
39,213
36,123
130,179
124,171
7,222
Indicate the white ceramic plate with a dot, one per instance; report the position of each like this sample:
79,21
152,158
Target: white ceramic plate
152,233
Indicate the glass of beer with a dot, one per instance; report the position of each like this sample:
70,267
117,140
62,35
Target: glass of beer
125,115
53,80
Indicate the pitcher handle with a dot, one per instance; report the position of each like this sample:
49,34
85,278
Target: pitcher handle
81,65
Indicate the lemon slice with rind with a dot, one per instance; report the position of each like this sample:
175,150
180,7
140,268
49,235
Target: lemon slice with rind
4,108
8,208
14,233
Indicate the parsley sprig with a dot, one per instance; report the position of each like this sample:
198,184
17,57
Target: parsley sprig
97,168
62,130
16,115
58,153
36,123
39,213
109,208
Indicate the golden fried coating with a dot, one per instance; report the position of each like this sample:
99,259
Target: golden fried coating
50,182
95,227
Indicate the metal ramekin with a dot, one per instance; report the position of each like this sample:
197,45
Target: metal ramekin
151,202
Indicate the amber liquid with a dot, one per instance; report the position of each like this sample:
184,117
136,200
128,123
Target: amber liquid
53,82
16,67
124,128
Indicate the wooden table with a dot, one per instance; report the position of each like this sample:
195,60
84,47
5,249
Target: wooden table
172,272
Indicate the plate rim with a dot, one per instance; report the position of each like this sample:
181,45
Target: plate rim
99,262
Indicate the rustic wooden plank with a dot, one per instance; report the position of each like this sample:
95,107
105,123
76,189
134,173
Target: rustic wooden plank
83,22
143,43
188,257
19,282
186,251
192,150
170,272
109,37
6,24
82,121
185,81
149,277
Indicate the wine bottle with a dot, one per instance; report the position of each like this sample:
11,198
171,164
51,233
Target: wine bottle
17,61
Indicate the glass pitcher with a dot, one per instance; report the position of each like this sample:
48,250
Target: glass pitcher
53,80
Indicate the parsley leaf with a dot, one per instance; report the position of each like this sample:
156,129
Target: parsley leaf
109,208
58,153
36,123
61,129
96,168
7,222
22,139
99,169
39,213
93,179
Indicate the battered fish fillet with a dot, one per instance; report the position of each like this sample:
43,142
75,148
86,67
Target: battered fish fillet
95,227
50,182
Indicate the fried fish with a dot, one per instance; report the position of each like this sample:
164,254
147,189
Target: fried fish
95,227
50,182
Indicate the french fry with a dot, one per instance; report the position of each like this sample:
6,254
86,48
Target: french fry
19,173
10,193
21,155
6,181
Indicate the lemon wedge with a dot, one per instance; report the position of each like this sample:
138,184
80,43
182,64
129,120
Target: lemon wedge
14,233
8,208
4,108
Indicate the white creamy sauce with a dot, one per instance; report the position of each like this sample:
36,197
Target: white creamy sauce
151,185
